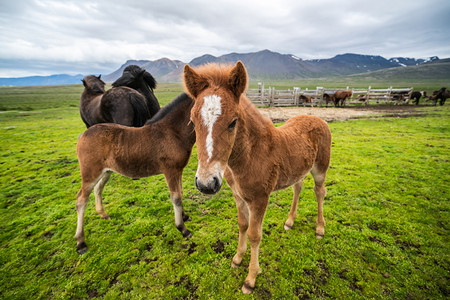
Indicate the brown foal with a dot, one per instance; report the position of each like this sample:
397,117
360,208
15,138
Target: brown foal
234,140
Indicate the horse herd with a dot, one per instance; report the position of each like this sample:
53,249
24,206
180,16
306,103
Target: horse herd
129,134
339,97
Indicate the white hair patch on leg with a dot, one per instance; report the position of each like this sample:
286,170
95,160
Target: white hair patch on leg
210,111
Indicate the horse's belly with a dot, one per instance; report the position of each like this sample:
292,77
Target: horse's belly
135,171
287,179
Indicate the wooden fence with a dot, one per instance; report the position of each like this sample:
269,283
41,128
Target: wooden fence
272,97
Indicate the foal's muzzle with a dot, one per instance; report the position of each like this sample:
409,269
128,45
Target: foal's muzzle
210,187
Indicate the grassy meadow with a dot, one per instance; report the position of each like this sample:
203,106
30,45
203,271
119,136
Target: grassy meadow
387,215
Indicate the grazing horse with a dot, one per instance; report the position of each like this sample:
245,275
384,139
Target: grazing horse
139,79
234,140
120,105
442,95
162,146
341,96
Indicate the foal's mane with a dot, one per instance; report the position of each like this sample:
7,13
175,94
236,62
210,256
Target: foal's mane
167,109
219,75
215,74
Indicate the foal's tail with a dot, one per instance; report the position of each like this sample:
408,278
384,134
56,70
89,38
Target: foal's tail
140,110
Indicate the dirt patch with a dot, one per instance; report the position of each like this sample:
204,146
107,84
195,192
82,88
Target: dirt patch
329,114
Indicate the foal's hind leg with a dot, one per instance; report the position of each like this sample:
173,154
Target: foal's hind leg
293,213
87,185
82,200
320,191
98,191
174,182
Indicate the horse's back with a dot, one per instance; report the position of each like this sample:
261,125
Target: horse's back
126,106
310,132
305,124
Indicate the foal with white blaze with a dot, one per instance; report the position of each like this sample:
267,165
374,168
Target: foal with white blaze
234,140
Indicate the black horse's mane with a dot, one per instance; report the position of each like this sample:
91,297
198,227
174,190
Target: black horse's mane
163,112
136,71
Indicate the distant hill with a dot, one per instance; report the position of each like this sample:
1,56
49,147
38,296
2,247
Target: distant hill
160,69
268,65
264,65
439,69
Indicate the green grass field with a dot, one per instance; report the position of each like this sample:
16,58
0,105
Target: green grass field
387,217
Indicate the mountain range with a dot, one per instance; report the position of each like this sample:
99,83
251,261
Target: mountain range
262,65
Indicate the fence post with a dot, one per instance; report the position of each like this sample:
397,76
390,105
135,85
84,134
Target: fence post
409,96
296,95
368,95
389,95
272,96
320,92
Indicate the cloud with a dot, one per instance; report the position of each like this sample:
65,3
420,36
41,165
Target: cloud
91,36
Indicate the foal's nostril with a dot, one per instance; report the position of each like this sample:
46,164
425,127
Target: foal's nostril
196,182
216,183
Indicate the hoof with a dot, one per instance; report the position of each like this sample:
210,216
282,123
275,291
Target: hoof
106,217
287,227
233,265
82,248
187,234
247,289
319,235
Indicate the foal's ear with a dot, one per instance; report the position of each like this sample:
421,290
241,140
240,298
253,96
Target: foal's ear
238,79
193,83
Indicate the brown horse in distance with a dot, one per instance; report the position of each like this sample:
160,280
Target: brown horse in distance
329,98
441,95
341,96
162,146
234,140
306,99
120,105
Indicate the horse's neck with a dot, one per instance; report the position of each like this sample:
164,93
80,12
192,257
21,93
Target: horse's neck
152,102
254,130
179,121
89,98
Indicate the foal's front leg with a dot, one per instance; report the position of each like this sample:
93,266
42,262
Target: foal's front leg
243,220
257,211
174,181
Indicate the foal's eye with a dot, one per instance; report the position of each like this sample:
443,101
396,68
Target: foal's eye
232,125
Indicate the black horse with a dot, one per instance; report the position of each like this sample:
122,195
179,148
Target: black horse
139,79
417,95
121,105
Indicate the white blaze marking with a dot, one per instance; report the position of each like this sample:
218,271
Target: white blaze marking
210,111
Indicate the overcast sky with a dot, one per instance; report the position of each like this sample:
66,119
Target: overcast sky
43,37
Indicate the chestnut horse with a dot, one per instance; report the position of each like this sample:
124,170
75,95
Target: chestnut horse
234,140
120,105
341,96
162,146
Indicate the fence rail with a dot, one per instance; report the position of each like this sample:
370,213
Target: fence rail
296,97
